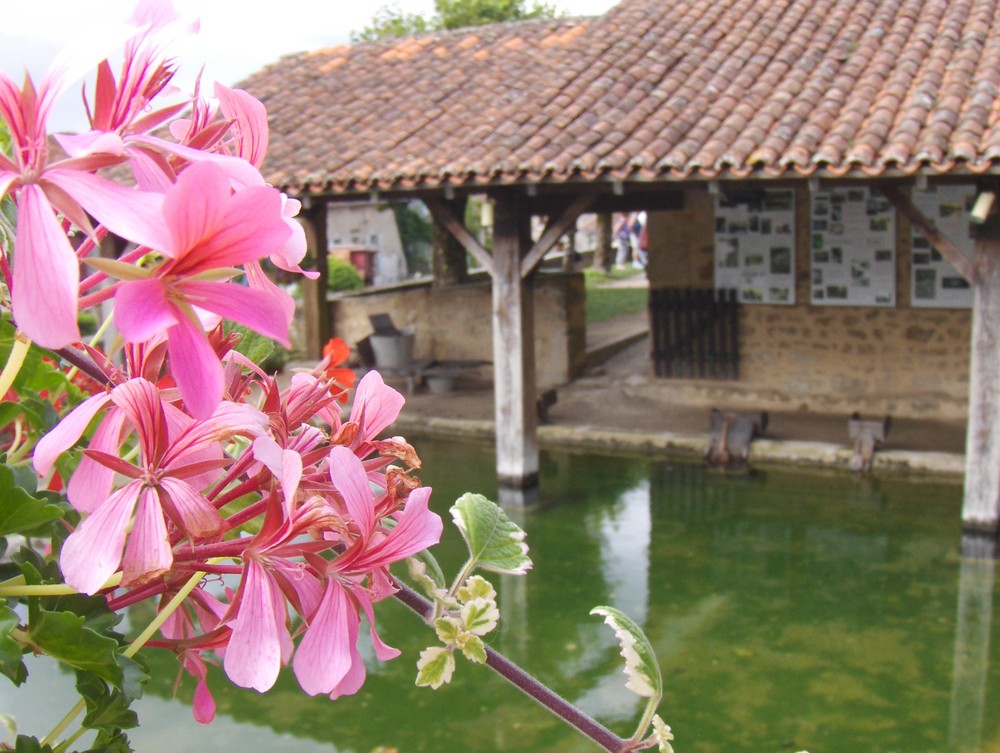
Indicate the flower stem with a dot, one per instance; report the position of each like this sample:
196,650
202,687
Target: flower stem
530,686
165,613
14,362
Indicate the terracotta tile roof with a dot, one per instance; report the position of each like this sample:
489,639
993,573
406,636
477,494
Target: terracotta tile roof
651,90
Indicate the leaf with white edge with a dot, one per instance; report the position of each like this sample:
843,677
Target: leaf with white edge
662,735
495,542
435,666
448,630
474,650
476,587
644,678
427,574
480,616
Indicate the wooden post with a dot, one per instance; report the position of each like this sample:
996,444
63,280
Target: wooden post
515,390
603,254
315,311
981,506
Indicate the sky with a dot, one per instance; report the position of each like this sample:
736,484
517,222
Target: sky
236,37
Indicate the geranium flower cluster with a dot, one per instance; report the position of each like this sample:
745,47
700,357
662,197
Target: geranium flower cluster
285,514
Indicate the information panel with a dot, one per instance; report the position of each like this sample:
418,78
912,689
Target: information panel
853,237
755,244
935,283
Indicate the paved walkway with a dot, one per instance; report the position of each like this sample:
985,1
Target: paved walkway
616,406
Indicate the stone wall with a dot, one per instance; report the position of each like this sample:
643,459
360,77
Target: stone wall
457,322
902,361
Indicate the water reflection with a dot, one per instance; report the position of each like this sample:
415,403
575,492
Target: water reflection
789,611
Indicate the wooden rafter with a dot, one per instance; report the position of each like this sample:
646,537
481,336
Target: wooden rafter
938,240
442,214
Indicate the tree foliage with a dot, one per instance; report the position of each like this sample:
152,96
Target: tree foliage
391,21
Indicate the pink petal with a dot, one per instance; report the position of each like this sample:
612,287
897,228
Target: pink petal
349,477
249,129
376,405
65,434
93,551
260,310
252,229
195,206
382,651
260,281
196,368
238,170
197,516
284,465
355,676
131,214
147,554
417,528
203,708
253,656
324,655
143,311
227,420
91,482
141,403
46,274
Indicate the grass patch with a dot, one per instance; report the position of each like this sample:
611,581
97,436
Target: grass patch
605,303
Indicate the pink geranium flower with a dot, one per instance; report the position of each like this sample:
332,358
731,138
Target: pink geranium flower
212,229
163,493
327,660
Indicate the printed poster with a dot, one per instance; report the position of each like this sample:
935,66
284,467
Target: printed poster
755,244
852,248
935,283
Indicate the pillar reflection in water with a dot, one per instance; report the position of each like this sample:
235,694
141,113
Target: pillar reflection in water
972,642
512,590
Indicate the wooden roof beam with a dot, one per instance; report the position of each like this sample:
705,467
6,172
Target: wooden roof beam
961,263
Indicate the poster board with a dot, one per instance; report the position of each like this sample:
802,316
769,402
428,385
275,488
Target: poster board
755,244
852,248
934,283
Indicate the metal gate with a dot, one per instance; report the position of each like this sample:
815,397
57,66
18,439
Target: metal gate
695,333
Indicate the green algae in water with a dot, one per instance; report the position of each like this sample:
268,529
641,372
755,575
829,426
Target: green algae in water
789,611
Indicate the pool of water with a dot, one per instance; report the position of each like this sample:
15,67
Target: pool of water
789,611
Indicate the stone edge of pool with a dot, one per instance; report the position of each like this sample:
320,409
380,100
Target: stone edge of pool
667,444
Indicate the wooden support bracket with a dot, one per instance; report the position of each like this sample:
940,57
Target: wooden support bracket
961,263
442,214
554,230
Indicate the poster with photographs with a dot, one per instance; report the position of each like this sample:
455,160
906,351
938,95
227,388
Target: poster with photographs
935,283
852,248
755,244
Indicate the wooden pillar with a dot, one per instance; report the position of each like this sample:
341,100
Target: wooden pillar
515,390
603,254
981,506
315,311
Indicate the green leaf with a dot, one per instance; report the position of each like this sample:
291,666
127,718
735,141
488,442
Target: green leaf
448,630
25,744
480,616
107,708
63,636
11,663
474,650
641,667
435,666
476,587
19,511
495,542
110,742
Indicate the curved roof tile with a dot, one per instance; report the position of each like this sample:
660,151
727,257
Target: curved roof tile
688,89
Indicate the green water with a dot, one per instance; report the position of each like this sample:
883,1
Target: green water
789,611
